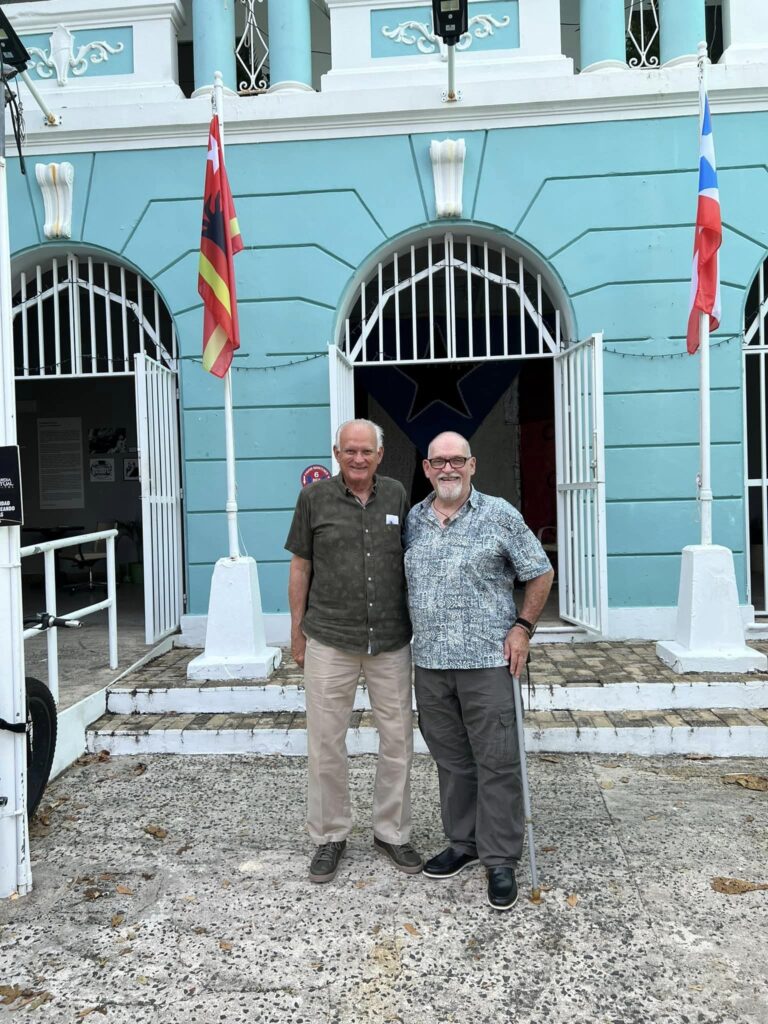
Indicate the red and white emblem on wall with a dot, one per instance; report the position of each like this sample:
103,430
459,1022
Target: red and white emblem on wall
313,473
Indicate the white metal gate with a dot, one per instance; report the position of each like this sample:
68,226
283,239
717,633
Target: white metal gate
583,572
76,316
157,415
462,300
342,390
755,392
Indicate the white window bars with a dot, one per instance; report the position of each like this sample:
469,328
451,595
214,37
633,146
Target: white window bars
642,34
78,316
451,299
252,53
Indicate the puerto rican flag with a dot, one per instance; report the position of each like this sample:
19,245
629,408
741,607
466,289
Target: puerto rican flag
705,279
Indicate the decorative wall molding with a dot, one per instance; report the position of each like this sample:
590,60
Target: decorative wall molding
448,172
61,58
420,34
56,182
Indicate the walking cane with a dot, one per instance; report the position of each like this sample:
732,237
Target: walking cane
535,890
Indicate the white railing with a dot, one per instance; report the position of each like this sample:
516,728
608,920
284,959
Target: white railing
251,53
47,549
642,32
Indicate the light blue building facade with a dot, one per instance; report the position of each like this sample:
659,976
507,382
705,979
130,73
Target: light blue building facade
575,188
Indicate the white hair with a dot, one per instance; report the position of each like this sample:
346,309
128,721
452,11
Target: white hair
361,423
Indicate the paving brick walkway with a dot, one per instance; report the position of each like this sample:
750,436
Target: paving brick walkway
585,664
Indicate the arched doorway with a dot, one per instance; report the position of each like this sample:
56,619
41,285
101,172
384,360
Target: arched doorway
95,358
462,332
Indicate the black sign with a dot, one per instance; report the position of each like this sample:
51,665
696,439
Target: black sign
11,513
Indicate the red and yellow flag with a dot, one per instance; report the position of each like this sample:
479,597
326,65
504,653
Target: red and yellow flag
219,241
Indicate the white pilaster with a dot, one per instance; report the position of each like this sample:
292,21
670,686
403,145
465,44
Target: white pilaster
745,32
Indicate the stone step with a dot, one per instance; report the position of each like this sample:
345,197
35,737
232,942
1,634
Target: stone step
578,696
609,677
725,732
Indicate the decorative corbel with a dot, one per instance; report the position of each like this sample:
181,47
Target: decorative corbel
448,172
56,181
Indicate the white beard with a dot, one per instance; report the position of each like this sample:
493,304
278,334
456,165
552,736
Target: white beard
448,490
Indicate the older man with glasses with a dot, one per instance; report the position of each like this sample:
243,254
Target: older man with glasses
464,551
349,613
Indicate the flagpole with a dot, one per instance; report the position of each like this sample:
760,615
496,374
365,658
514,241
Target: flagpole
235,634
229,419
705,474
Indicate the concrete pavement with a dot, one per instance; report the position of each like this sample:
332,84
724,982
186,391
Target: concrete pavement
173,889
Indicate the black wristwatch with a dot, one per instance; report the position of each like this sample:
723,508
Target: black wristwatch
529,627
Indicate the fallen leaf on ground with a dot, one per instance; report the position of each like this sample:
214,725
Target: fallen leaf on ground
91,1009
572,900
550,758
412,929
9,993
103,755
35,1000
93,893
225,883
139,769
606,784
536,897
759,783
117,920
226,946
155,831
609,764
184,848
699,757
651,817
361,883
548,849
200,930
147,875
735,886
107,876
124,890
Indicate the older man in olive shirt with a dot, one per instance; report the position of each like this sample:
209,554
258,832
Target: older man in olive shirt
349,613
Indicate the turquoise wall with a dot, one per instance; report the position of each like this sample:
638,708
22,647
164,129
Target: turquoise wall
609,206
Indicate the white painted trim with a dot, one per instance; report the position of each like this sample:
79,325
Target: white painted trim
740,741
128,119
251,700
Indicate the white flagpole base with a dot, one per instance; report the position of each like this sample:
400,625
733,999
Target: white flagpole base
710,631
235,644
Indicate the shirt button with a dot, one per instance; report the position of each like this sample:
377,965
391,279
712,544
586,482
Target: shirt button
370,578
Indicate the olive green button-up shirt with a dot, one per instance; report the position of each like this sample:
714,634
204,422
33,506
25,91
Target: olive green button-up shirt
357,599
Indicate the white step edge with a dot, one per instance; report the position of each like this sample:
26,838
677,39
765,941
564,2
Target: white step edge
739,741
747,693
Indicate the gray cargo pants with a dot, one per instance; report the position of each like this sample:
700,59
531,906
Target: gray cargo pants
467,718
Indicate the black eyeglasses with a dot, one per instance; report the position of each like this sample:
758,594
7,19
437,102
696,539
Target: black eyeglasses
455,462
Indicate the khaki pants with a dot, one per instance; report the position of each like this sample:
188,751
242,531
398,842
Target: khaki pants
330,679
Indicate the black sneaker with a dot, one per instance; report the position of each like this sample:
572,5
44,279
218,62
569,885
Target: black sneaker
404,857
502,888
449,863
325,862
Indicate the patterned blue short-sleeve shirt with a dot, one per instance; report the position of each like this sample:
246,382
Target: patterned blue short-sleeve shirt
461,577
